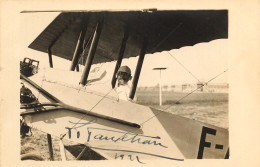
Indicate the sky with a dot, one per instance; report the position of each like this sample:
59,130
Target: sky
201,62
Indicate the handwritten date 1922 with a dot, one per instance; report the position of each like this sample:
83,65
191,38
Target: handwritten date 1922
123,156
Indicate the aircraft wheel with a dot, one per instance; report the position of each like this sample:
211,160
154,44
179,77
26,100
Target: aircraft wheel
31,157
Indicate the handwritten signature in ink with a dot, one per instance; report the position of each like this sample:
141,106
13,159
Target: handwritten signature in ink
115,137
126,137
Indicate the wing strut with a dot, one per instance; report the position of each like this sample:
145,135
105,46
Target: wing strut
53,43
50,58
92,51
146,33
121,55
79,47
139,67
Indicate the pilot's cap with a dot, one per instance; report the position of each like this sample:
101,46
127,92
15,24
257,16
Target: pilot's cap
125,69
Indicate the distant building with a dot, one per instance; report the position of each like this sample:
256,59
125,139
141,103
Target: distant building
217,88
199,87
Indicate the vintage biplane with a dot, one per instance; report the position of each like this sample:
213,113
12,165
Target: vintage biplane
74,105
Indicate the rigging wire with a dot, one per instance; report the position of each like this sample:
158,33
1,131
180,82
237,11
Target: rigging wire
200,86
84,49
184,67
183,97
163,111
83,53
62,136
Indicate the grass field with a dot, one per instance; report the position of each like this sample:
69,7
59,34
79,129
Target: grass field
211,108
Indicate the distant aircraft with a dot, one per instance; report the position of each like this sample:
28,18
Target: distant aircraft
70,107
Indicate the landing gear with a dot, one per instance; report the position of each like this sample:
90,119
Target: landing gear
33,157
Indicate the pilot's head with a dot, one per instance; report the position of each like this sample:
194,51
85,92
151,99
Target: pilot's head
123,75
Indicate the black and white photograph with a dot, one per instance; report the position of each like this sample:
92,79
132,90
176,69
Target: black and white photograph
131,86
114,85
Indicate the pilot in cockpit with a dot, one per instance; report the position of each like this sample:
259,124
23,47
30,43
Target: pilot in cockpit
122,86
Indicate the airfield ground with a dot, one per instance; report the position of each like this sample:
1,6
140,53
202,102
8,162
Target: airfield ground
211,108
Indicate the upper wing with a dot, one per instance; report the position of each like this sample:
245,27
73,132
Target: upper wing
166,30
